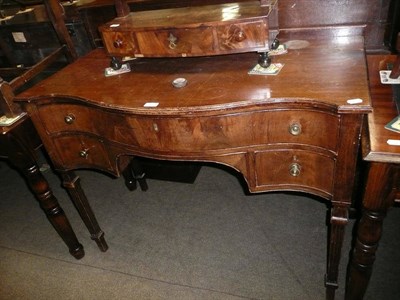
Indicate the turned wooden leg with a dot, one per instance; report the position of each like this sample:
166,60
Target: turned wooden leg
17,145
376,202
72,183
53,210
338,222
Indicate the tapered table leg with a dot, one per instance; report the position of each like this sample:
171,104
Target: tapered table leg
338,222
72,183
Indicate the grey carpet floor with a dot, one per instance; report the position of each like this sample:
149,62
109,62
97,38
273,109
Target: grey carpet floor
206,240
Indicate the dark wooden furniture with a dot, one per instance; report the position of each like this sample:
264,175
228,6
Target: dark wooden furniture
30,35
19,140
297,131
396,65
192,31
18,143
382,186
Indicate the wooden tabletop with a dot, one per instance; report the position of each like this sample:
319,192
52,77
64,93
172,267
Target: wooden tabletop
190,16
329,71
375,146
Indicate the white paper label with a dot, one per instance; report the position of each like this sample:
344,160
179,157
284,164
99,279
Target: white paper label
355,101
19,37
151,104
393,142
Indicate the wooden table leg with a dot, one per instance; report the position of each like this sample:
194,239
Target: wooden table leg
338,222
376,202
72,183
51,207
18,144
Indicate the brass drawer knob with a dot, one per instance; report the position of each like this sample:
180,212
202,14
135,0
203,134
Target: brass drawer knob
69,119
84,153
295,129
172,41
118,43
295,169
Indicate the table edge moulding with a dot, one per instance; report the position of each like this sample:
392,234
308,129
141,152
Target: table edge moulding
308,118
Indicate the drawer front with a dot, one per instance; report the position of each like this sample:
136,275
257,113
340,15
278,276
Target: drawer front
243,36
69,117
230,131
120,43
176,42
301,127
80,151
299,168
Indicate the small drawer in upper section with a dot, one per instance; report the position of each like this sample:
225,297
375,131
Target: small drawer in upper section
193,31
302,127
70,117
176,42
120,43
242,36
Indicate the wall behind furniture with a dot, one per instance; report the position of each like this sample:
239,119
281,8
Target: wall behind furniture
316,13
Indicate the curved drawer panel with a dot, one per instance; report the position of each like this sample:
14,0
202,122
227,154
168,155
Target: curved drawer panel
278,169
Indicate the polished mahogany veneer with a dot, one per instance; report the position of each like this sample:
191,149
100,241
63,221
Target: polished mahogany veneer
295,131
193,31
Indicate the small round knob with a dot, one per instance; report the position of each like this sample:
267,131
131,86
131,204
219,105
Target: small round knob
295,169
84,153
69,119
118,43
173,40
295,129
240,36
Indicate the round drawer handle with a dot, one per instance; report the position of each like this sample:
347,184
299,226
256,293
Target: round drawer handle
240,36
69,119
84,153
295,129
118,43
295,169
172,41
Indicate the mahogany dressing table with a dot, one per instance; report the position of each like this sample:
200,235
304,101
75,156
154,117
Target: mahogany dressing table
382,178
296,131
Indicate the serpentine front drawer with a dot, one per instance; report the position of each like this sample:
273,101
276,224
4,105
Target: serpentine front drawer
163,134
